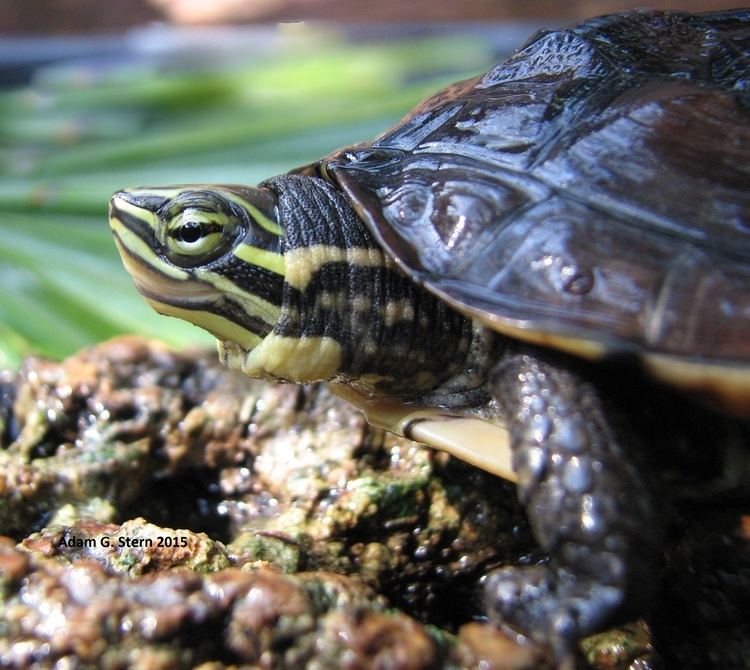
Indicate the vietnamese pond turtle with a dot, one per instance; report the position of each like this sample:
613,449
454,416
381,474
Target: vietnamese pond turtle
544,270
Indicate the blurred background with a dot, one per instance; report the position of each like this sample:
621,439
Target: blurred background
96,96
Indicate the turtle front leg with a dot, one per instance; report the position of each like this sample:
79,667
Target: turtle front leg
588,500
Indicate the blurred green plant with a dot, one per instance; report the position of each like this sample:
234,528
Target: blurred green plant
80,132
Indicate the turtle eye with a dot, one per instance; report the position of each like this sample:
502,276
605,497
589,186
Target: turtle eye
195,236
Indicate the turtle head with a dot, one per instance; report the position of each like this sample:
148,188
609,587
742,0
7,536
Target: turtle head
208,254
290,281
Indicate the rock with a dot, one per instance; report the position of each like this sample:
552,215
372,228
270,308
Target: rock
171,513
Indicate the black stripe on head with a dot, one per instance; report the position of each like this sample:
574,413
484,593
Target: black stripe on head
265,202
236,313
257,236
250,278
221,306
135,225
146,234
138,259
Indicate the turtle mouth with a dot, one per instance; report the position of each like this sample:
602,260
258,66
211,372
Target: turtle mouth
184,292
191,300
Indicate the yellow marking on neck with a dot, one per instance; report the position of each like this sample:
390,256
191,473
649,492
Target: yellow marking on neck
361,304
299,359
260,257
303,263
131,245
217,325
395,311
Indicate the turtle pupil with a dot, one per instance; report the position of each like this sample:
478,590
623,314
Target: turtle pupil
190,232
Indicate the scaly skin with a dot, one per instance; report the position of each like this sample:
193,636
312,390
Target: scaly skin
588,498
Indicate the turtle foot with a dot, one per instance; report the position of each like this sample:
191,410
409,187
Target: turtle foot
550,605
584,477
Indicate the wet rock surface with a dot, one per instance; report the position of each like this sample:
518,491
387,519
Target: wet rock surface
163,512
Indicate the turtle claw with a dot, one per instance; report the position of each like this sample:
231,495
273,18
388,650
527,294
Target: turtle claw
551,606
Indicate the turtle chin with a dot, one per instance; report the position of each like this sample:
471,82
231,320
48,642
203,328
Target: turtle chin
184,299
177,294
205,307
232,354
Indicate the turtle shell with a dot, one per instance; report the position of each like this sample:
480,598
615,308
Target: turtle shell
591,193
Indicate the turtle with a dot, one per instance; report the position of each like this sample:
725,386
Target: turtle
544,270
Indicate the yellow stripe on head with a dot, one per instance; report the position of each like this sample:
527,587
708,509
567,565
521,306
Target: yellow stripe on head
131,245
219,326
253,304
261,219
146,216
265,259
